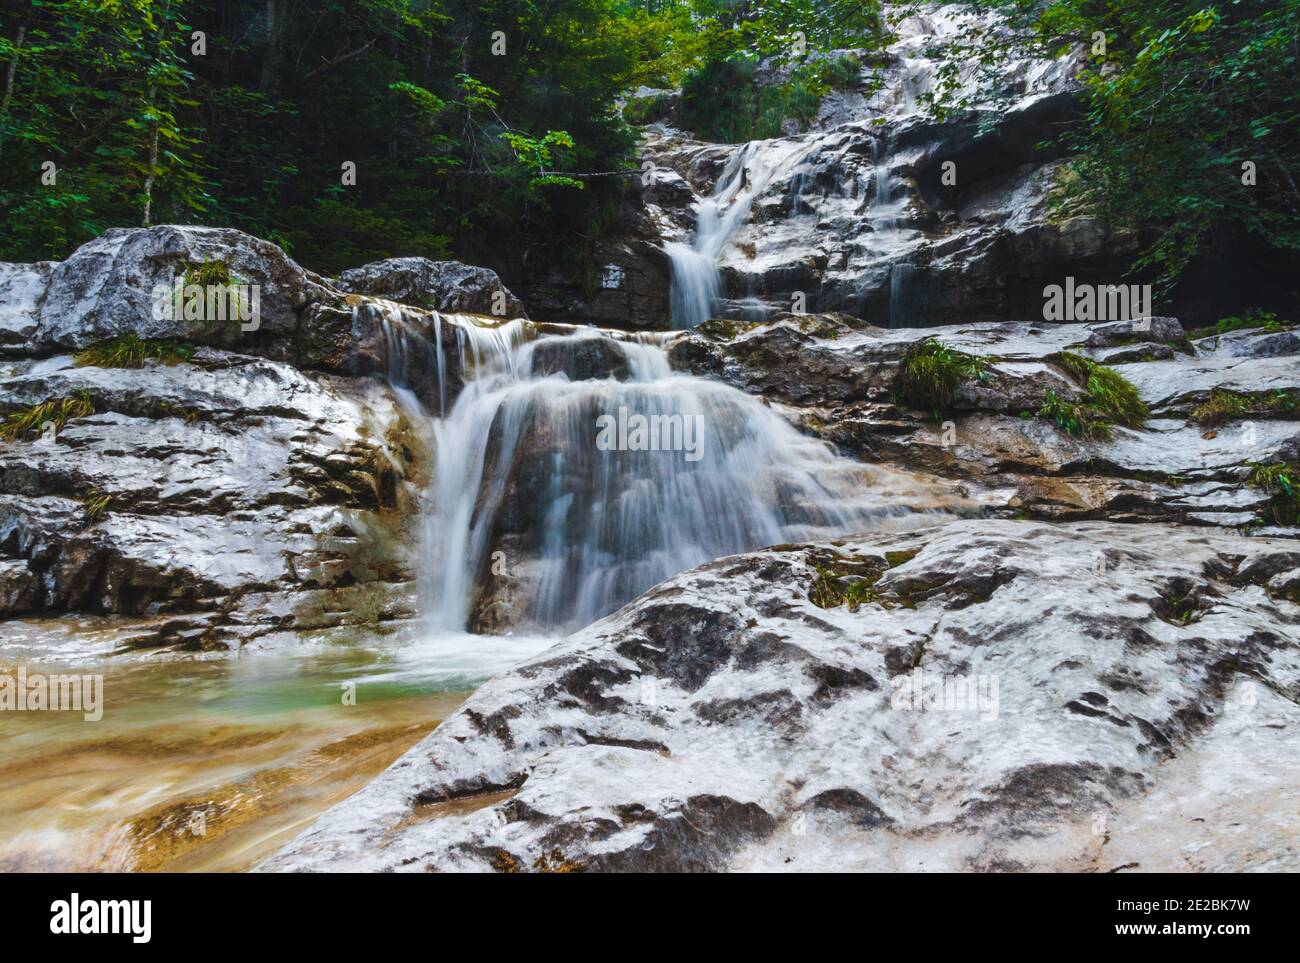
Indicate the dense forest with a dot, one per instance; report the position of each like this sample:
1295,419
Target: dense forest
350,130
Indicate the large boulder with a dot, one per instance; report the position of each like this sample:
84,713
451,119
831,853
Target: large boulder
981,695
437,285
109,287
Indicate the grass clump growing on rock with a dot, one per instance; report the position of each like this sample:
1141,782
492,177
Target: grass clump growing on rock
1224,405
94,504
209,272
930,373
1282,482
1111,400
57,412
131,351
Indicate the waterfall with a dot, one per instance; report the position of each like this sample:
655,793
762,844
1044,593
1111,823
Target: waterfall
696,287
890,238
527,510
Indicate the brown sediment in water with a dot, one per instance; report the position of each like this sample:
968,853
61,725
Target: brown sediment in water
195,833
198,796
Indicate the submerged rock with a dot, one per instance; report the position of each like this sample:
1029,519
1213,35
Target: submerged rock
979,695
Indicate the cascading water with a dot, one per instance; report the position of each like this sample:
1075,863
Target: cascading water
529,512
695,284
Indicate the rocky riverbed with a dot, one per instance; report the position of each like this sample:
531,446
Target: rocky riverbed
929,584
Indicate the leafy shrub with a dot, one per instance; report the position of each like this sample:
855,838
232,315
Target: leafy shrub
646,110
721,102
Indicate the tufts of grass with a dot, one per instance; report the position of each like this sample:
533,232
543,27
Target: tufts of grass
130,351
56,411
1224,405
1111,400
1282,482
209,272
930,373
831,590
94,504
1074,419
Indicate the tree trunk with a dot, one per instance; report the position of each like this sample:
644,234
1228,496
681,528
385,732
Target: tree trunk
277,25
153,161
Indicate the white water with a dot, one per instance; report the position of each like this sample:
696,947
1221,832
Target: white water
695,283
526,514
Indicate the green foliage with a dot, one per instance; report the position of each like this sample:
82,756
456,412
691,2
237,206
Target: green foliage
1110,394
131,351
1074,418
1110,399
640,111
93,506
1184,94
831,589
28,422
1267,322
930,372
454,147
721,101
1282,481
215,272
1223,405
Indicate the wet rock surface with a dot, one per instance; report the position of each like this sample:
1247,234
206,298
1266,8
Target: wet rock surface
995,695
881,209
438,285
257,484
238,494
837,378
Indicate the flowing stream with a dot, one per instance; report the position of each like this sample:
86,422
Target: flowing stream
531,522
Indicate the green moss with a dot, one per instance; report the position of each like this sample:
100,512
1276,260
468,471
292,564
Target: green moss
56,411
930,373
1266,322
896,559
131,351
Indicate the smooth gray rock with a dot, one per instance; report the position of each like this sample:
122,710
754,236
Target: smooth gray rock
1070,677
437,285
106,289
